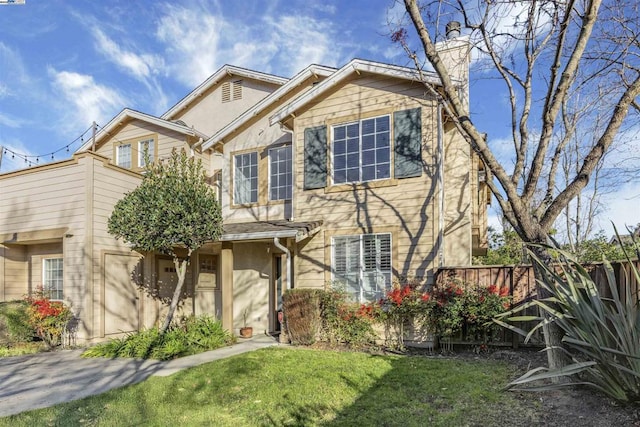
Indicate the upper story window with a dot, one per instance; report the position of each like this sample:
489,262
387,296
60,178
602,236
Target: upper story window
145,150
52,277
231,91
362,150
123,155
363,264
245,178
280,173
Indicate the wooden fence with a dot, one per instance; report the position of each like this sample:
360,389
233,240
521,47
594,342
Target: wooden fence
522,286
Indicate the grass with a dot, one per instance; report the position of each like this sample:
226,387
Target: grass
289,386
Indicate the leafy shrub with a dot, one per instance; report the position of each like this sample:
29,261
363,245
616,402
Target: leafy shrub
301,309
458,307
191,336
14,322
403,304
346,322
48,318
601,335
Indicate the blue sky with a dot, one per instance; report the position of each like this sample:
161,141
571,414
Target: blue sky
65,64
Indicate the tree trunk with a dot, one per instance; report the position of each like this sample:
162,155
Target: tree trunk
556,356
181,269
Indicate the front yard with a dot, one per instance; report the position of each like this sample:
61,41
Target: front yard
298,386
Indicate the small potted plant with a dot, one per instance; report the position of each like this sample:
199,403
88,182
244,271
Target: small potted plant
246,331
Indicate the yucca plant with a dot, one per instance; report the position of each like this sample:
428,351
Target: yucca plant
602,335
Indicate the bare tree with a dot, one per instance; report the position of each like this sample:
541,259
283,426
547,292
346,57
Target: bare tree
550,55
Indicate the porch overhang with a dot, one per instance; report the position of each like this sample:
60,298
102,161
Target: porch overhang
267,230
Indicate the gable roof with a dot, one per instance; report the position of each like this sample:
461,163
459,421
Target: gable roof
215,78
355,66
311,70
127,113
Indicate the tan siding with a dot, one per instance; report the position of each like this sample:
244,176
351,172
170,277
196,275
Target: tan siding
109,186
208,114
406,207
251,276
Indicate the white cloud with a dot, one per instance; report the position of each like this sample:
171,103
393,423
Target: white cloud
141,66
12,71
89,100
10,121
198,42
621,207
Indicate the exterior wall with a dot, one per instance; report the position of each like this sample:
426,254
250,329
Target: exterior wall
407,208
106,185
209,114
33,203
137,130
257,134
259,137
458,175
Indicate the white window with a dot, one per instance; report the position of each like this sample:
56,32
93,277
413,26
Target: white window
52,277
245,178
280,176
363,264
145,150
123,155
362,151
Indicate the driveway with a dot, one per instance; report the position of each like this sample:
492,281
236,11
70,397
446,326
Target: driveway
47,379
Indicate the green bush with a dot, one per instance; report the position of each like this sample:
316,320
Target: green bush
14,322
601,335
191,336
346,322
301,309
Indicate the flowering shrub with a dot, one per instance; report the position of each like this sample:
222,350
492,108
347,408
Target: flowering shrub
346,322
404,304
48,318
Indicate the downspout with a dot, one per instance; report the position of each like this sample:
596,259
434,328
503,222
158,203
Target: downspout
440,151
277,244
284,129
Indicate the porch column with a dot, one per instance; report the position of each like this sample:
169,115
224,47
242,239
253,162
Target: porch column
226,285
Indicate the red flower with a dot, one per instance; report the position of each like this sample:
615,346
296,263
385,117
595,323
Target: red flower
504,292
425,297
493,289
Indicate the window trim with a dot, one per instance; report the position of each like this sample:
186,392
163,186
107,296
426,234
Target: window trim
234,201
119,147
47,289
269,153
151,143
359,121
361,270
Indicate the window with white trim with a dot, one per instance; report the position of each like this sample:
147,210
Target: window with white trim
280,176
362,150
145,148
123,155
363,264
52,277
245,178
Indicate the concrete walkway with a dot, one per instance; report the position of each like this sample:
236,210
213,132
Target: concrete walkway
47,379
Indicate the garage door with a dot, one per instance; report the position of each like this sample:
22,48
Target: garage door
120,294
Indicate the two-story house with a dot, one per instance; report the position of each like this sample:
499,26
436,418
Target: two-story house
353,176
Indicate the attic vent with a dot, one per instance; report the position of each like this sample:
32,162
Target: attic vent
232,91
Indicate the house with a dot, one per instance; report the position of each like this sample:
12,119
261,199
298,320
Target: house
352,175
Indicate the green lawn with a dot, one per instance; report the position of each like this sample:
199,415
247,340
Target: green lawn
289,386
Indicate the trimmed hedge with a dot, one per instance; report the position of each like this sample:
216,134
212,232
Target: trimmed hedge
301,308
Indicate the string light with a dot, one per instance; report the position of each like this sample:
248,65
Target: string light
27,157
